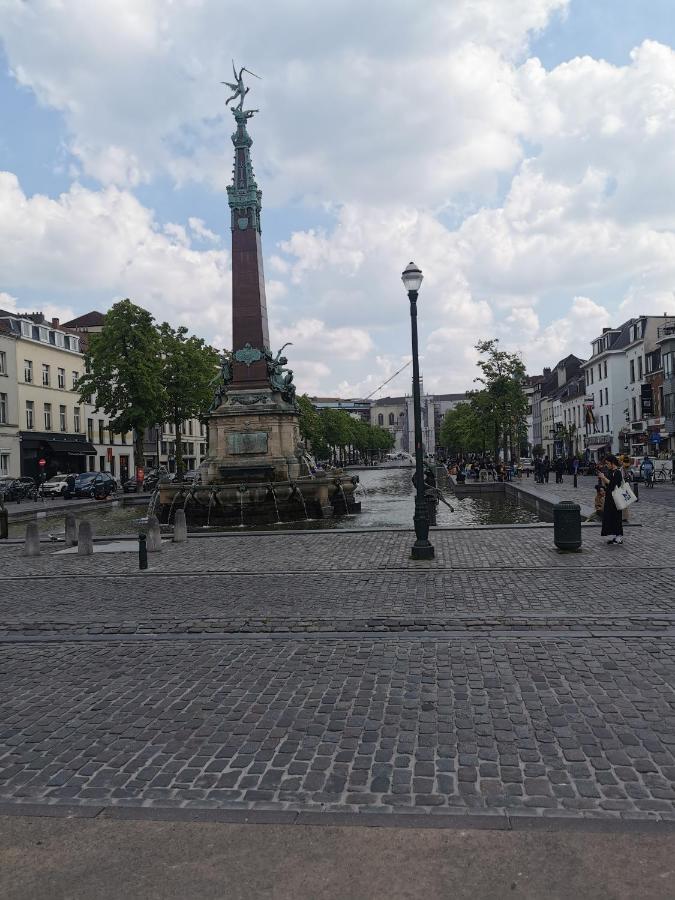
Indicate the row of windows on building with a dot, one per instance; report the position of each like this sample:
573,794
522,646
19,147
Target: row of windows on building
46,335
47,376
637,369
392,418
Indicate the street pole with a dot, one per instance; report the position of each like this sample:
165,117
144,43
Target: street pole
422,548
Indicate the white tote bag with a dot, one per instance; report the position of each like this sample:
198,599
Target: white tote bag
623,496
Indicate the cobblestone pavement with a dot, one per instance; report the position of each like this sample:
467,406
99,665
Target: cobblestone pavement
502,679
333,551
539,727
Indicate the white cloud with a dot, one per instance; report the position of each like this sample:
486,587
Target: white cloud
106,242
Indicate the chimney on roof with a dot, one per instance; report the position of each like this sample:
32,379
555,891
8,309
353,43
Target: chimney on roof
547,371
55,323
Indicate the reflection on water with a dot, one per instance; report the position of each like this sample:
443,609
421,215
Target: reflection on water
387,500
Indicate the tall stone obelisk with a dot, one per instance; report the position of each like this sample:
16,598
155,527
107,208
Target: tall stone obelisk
253,424
249,308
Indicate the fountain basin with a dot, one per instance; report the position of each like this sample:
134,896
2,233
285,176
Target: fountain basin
258,502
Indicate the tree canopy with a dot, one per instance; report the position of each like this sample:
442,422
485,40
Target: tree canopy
332,430
123,372
188,368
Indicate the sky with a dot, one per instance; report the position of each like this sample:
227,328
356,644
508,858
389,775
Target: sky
521,153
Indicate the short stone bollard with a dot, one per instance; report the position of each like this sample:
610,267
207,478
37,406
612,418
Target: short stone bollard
71,530
85,539
4,523
179,527
154,541
567,526
31,545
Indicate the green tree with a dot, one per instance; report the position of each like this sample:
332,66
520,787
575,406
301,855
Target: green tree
123,372
188,369
311,427
463,429
503,379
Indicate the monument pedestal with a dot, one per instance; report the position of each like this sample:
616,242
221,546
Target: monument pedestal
253,436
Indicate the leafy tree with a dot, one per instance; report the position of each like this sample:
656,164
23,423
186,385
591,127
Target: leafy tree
463,429
311,429
188,369
503,379
123,372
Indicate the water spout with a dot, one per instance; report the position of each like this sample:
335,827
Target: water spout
153,501
174,500
298,493
212,498
242,490
190,496
276,505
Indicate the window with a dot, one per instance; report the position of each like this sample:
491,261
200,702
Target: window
76,420
202,449
30,418
28,371
380,419
3,409
639,368
63,420
605,367
190,427
599,371
90,430
607,396
76,378
668,365
591,370
634,405
632,370
4,463
3,362
52,338
101,462
46,377
48,417
101,436
391,418
600,404
201,429
182,428
124,437
163,448
61,375
111,434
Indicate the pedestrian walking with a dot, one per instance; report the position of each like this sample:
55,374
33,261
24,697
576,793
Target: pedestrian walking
612,524
546,468
559,469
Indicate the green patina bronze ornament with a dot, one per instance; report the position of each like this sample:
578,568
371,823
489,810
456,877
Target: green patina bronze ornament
248,354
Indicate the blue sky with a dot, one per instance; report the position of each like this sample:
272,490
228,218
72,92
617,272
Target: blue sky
532,185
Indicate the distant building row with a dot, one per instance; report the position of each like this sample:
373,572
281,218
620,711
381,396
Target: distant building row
396,415
621,400
44,428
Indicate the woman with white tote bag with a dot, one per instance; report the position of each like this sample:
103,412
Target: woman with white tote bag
618,496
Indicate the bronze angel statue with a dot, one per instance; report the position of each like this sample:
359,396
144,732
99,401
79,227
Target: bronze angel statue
240,90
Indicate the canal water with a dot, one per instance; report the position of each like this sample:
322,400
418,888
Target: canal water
387,501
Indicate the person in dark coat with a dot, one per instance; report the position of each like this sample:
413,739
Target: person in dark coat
559,469
612,525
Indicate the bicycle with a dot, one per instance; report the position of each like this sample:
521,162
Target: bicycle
663,475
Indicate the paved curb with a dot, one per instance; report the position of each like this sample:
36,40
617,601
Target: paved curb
497,821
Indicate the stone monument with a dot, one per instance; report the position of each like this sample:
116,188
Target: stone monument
256,470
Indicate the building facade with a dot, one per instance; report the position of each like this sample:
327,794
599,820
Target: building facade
10,445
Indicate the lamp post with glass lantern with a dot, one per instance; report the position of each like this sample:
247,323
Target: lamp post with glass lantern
422,548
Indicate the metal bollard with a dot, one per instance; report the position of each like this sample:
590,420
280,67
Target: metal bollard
142,551
4,524
575,480
567,526
636,490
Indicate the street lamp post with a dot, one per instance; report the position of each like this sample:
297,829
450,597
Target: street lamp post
422,548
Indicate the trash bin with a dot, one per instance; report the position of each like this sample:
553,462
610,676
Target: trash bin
567,526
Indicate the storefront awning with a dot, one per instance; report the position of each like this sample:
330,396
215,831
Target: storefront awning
71,444
73,448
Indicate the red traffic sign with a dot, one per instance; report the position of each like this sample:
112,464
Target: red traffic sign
42,462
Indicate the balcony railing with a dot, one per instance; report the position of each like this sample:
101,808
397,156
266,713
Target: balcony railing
667,330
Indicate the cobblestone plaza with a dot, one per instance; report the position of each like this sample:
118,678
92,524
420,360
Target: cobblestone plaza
305,673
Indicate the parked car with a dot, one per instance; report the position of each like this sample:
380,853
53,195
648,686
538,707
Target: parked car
57,486
95,484
17,488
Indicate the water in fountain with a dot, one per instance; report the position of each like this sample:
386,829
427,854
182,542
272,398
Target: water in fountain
298,493
173,503
344,497
276,505
212,497
190,495
153,501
